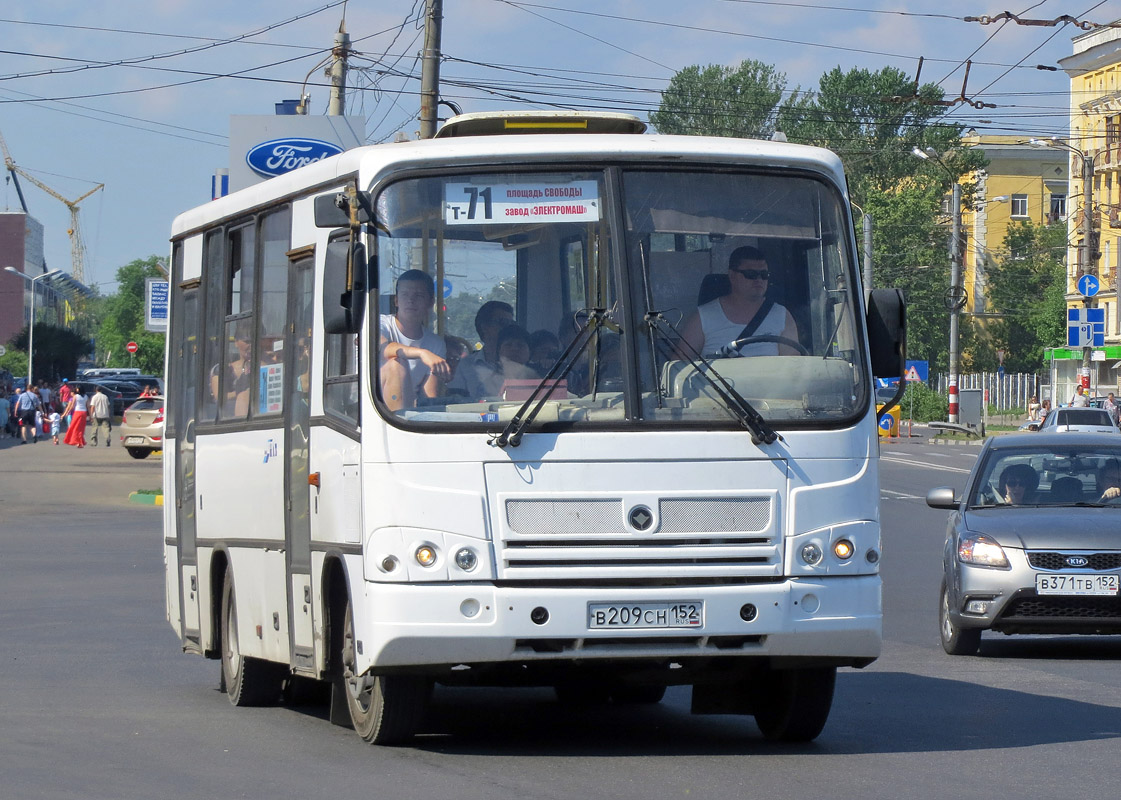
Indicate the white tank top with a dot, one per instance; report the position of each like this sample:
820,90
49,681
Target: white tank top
719,330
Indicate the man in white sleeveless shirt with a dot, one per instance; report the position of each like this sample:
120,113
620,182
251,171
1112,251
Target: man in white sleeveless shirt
412,363
723,320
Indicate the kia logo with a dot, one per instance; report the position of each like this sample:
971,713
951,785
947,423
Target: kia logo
279,156
1077,561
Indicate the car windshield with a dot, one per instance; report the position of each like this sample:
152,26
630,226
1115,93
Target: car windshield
1049,476
634,294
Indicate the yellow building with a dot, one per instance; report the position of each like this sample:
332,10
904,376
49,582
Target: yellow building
1021,183
1095,130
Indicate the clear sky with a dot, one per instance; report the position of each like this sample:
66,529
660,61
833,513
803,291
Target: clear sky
138,95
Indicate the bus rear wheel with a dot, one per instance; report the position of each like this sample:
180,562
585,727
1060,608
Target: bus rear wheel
384,709
795,703
248,681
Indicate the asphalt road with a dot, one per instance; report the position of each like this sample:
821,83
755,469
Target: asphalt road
97,701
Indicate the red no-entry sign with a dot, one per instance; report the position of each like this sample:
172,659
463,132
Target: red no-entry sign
132,347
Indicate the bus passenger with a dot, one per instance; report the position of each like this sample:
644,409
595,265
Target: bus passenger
476,374
234,401
744,312
412,359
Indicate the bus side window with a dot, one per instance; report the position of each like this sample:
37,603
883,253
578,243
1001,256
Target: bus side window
340,391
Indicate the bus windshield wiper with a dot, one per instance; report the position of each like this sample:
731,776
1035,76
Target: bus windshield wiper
512,434
749,418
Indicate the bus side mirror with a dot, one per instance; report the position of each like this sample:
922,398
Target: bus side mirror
887,332
344,286
333,210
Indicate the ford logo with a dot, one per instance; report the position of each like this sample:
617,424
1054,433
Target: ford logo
279,156
1076,561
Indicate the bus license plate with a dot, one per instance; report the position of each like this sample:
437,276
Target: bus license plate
1076,584
682,614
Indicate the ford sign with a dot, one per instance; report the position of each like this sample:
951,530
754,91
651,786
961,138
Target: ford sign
284,155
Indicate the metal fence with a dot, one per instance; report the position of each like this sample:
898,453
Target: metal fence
1003,392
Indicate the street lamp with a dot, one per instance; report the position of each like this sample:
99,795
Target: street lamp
955,299
1086,251
46,276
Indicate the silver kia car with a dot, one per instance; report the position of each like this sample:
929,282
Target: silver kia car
1034,544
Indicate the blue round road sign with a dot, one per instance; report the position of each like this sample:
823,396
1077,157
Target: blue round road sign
1088,285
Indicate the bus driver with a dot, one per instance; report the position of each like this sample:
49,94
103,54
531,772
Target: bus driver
744,312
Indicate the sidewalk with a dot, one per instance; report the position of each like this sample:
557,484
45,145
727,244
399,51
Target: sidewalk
47,477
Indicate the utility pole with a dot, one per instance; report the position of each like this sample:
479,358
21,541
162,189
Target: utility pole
955,300
430,68
1086,252
337,105
867,254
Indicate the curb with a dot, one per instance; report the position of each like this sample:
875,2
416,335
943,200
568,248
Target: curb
146,499
958,443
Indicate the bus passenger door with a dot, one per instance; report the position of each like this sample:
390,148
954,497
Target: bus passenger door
185,400
297,411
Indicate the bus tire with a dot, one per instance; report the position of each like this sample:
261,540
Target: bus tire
793,704
384,709
247,681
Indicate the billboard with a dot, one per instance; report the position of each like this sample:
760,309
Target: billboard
263,146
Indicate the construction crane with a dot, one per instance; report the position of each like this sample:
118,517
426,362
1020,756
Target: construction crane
77,246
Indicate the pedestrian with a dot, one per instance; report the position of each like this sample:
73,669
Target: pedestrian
27,405
1033,409
56,421
1080,400
77,409
5,415
1112,408
99,411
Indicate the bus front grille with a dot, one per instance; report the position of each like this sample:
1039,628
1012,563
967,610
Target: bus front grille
603,538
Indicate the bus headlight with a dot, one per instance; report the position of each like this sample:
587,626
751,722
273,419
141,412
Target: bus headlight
425,555
466,559
811,554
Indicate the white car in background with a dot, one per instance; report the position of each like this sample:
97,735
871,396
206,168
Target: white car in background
1066,420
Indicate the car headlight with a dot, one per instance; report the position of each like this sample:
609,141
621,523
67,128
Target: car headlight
981,551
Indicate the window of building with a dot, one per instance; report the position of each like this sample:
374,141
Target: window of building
1058,208
1019,205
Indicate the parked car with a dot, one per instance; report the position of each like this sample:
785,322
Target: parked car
1088,420
1032,544
141,427
116,397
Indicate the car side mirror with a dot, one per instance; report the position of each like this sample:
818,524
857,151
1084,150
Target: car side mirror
942,497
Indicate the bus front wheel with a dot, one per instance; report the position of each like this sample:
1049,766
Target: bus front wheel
795,703
384,709
247,681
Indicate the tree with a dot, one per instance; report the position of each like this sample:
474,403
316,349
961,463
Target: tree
1027,286
910,252
873,121
123,321
721,101
57,351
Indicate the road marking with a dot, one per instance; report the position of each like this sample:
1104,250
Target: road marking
899,495
910,462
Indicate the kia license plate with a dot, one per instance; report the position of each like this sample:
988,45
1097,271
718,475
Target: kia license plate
1076,584
676,614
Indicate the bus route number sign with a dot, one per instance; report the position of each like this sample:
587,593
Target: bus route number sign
521,203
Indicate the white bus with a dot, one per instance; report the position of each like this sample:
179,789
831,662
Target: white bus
626,509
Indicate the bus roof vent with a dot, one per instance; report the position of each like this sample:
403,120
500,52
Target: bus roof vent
493,123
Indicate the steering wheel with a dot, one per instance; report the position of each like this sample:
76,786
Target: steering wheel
732,349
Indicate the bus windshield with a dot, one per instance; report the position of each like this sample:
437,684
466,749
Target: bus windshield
668,296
